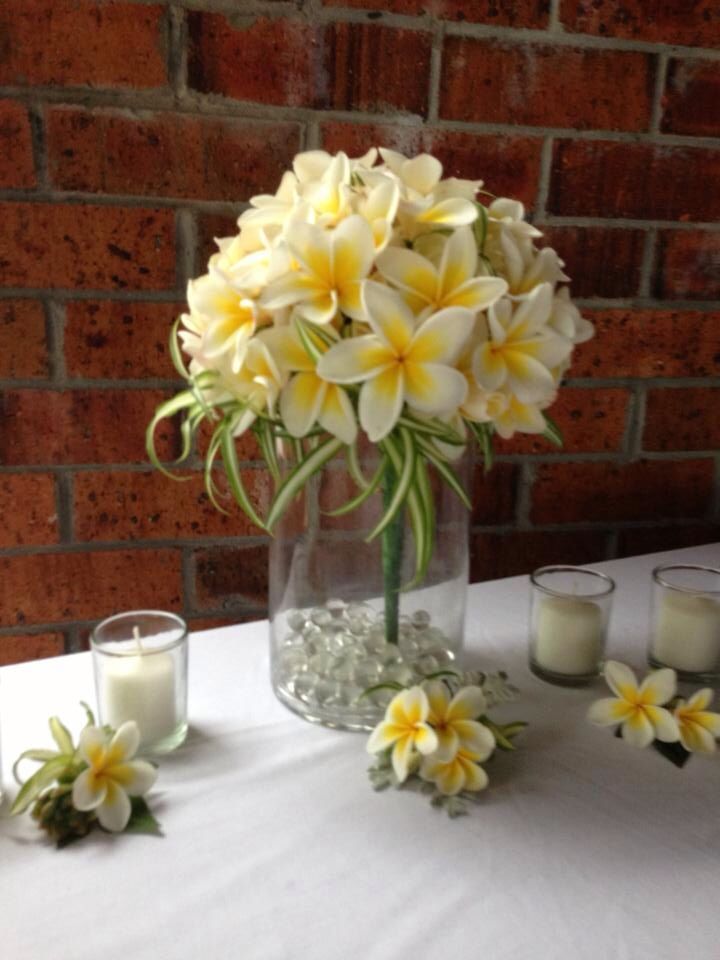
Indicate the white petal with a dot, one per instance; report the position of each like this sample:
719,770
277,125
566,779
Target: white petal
124,744
136,777
441,338
433,388
609,712
337,415
475,738
620,679
637,730
355,360
659,686
421,173
88,792
389,316
92,744
468,704
300,403
410,271
402,751
381,400
459,261
114,812
664,723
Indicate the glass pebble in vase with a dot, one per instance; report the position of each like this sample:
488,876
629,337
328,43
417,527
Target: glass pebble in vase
346,618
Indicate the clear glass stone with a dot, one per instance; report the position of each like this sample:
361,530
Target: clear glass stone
336,607
320,616
296,620
326,690
305,687
420,619
322,663
367,672
398,673
427,664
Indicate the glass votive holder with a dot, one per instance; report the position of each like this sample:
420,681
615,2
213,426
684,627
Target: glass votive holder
140,660
685,620
569,614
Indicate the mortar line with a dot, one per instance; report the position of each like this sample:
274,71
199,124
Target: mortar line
661,68
546,158
66,508
177,50
217,106
523,505
186,237
312,138
555,25
55,338
37,138
435,74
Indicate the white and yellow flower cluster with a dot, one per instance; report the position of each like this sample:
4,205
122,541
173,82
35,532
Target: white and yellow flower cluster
437,736
369,287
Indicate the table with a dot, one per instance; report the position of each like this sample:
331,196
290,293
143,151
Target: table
276,847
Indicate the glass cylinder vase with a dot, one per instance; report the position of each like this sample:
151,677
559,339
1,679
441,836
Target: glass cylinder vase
346,617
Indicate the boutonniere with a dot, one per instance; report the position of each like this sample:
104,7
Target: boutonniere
97,783
651,713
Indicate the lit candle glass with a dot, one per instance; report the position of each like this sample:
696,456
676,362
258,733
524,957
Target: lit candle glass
569,613
140,663
685,619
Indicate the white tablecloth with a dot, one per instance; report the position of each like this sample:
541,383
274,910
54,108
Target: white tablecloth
276,847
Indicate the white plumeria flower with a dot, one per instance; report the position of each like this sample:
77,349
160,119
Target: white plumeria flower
257,384
699,728
330,196
112,776
275,208
566,319
422,208
460,772
231,319
405,729
308,399
452,284
510,415
332,265
454,720
520,351
379,208
638,708
397,363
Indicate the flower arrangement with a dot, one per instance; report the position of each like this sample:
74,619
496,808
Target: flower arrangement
651,713
98,783
371,296
436,736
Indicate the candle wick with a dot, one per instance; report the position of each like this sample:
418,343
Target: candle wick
136,638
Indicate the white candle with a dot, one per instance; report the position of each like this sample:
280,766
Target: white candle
687,636
142,688
569,636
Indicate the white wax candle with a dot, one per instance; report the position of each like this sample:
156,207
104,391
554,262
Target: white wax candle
687,635
569,636
140,688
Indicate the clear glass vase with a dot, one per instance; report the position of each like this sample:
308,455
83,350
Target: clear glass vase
344,614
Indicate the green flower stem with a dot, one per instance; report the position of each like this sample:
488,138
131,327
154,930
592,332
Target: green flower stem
392,551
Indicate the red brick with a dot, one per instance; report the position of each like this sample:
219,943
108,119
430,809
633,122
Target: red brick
73,42
150,506
23,345
80,246
106,151
56,587
600,262
497,13
644,490
367,68
81,426
31,646
509,166
638,540
228,575
590,421
119,341
682,419
211,227
269,61
600,178
17,168
650,343
688,265
497,555
688,22
691,104
494,494
486,81
27,506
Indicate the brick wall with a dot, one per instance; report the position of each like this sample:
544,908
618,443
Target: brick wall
131,133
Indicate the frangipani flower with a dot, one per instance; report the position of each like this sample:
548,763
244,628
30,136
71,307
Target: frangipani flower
455,722
519,351
699,728
405,729
398,363
308,399
510,415
230,319
638,708
460,772
112,776
452,284
332,265
426,202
